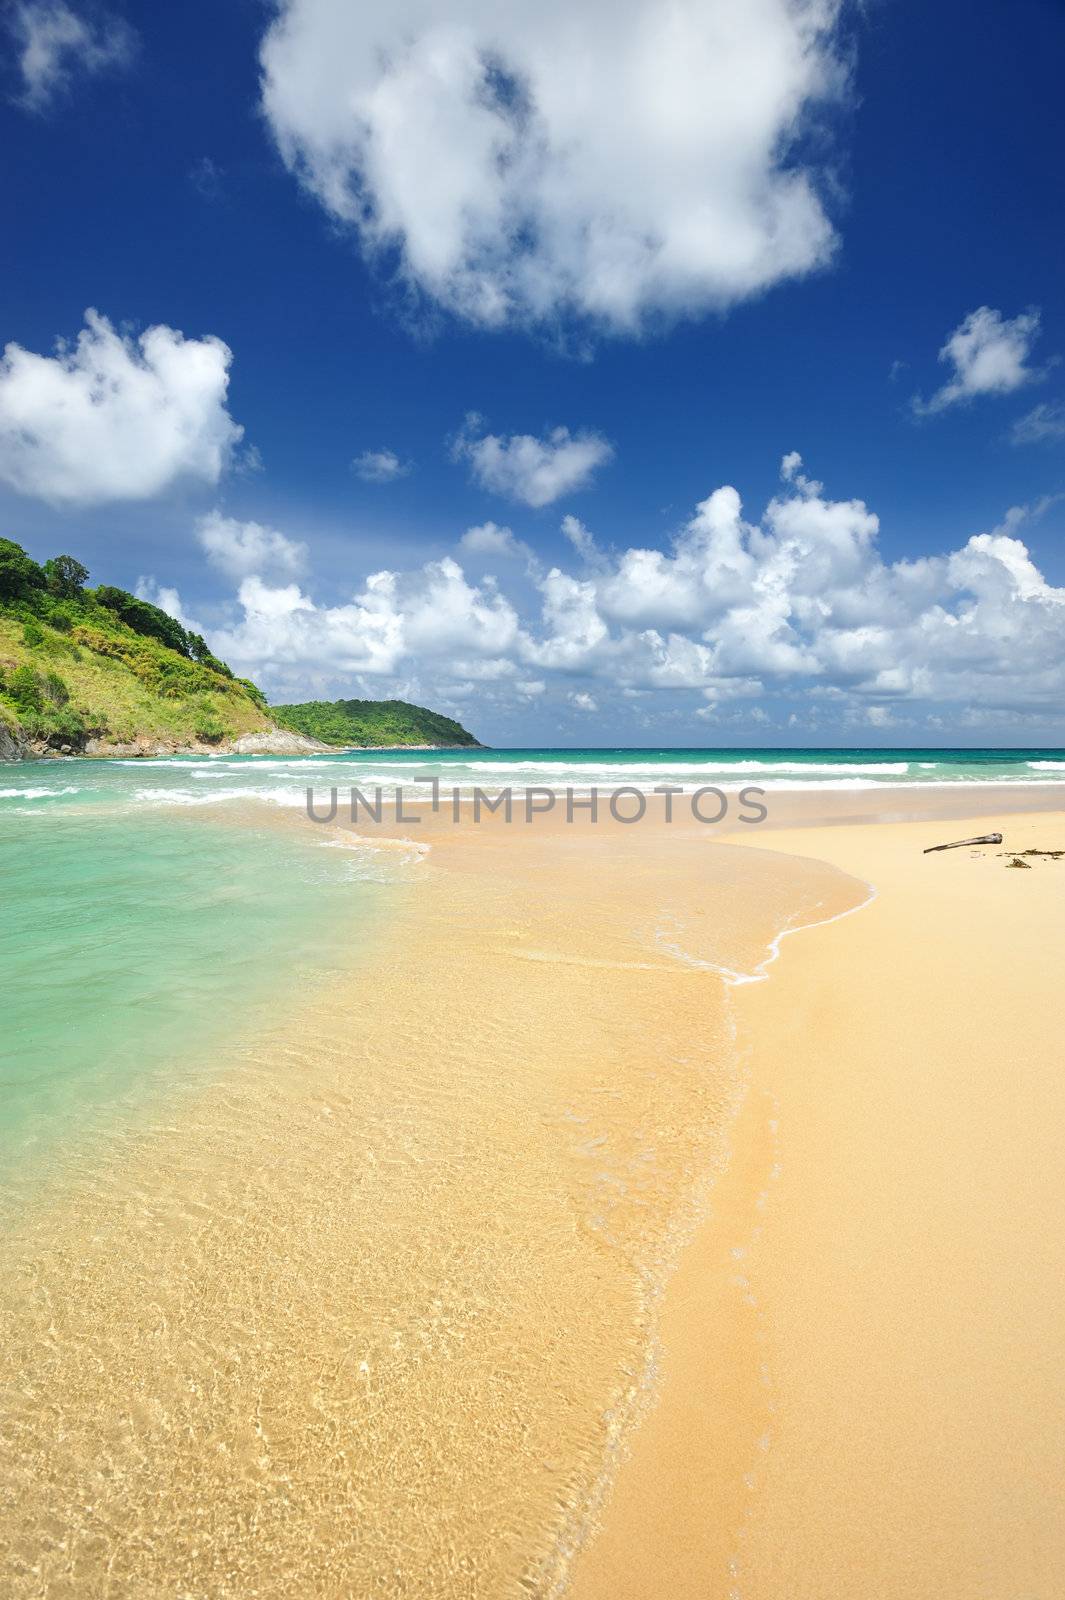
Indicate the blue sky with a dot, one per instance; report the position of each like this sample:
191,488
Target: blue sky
867,182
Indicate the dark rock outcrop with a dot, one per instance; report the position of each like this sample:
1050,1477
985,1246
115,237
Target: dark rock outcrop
12,744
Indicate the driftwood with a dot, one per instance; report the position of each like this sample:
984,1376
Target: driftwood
956,844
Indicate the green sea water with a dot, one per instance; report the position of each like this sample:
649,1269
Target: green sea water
139,945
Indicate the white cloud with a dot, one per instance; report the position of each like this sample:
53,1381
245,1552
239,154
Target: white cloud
208,179
1044,422
242,548
616,160
533,471
583,701
55,44
282,629
797,606
431,615
791,472
489,539
989,355
113,417
380,466
582,541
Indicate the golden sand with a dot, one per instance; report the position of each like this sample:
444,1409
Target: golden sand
862,1387
373,1312
381,1311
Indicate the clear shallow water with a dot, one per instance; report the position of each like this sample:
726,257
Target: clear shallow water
375,1310
138,943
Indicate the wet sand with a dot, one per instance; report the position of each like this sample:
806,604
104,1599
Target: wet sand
862,1391
374,1313
534,1256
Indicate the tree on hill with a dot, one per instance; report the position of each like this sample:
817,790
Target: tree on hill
143,617
19,573
65,576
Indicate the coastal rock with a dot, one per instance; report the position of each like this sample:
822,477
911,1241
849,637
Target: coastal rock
146,748
276,742
12,744
272,742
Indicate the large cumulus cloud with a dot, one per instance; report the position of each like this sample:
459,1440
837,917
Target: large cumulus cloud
797,605
617,159
112,417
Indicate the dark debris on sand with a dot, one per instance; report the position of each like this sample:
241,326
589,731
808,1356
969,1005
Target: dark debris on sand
1019,861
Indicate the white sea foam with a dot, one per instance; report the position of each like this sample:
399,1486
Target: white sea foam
733,978
579,782
285,780
614,768
188,797
37,794
359,841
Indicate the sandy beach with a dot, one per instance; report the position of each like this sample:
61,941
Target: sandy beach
861,1386
537,1255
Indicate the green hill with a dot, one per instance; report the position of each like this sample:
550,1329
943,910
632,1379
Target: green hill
372,722
100,668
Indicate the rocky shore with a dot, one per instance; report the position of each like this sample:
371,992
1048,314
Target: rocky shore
273,742
12,744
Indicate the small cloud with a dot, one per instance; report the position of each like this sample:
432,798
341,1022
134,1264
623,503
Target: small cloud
241,549
897,369
583,702
531,470
208,179
489,539
989,355
1017,516
582,541
790,472
380,466
1042,424
56,45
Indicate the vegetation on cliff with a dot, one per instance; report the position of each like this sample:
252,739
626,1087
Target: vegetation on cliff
79,663
372,722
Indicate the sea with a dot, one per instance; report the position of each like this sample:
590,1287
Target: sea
146,917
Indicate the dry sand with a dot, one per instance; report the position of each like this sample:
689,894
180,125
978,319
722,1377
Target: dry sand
862,1386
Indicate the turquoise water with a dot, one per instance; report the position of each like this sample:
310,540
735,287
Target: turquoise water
173,783
138,943
146,923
